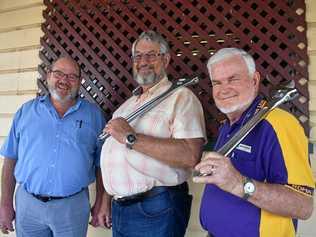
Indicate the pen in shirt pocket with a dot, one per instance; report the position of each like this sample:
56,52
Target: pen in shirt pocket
79,123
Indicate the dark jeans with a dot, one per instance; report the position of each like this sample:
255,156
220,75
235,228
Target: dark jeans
163,215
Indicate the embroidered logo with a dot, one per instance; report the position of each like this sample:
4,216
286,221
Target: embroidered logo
244,148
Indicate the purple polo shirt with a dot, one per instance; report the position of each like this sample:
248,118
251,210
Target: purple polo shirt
260,157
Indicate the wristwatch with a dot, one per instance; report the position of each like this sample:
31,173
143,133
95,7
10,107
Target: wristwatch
249,188
130,140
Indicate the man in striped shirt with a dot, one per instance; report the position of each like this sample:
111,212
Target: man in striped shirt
145,164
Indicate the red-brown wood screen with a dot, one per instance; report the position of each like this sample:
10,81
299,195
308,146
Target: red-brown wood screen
99,35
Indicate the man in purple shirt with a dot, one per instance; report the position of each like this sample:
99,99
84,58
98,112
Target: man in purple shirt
266,183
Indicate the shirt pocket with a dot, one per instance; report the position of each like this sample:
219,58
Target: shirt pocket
85,134
154,123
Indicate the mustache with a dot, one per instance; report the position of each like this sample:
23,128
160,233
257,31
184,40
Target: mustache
62,83
146,66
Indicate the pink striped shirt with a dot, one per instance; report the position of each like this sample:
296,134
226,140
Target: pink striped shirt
126,172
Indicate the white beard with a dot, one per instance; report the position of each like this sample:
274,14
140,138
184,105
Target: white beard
238,107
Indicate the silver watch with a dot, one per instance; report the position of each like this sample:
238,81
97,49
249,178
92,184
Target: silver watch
249,188
130,140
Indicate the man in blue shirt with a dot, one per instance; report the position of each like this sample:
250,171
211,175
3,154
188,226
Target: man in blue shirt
266,184
52,152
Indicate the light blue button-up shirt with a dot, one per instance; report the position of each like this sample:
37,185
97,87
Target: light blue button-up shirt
55,156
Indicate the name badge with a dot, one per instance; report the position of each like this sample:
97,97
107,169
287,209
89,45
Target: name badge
244,148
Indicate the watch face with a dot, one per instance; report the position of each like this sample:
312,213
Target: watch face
131,138
249,187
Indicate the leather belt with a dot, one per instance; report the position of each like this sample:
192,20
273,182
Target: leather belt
150,193
45,198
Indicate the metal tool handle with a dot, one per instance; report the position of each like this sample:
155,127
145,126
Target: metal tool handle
282,95
155,101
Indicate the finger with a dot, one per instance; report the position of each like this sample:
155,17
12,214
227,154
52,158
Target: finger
122,119
206,162
203,179
116,120
7,227
10,227
4,230
93,223
205,155
211,154
108,222
102,221
207,170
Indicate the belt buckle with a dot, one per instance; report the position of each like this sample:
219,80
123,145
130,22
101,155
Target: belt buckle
49,198
44,198
130,199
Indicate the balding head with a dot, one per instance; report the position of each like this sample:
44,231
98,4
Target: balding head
69,62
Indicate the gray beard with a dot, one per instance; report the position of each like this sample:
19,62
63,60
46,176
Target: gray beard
150,79
63,100
146,80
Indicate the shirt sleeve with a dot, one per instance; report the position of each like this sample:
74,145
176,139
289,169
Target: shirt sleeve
10,146
291,145
101,120
188,116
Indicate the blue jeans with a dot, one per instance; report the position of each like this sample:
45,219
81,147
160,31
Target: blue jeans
163,215
66,217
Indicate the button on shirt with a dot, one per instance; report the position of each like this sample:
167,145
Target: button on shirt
126,172
55,156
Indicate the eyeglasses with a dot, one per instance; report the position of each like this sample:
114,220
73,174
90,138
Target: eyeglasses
149,57
59,75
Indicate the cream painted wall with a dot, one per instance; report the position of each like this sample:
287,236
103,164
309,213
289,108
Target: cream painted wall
19,44
311,35
308,228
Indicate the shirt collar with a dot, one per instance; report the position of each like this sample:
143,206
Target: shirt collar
157,88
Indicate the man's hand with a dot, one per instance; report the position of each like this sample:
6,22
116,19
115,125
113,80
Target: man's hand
118,128
221,173
7,215
101,213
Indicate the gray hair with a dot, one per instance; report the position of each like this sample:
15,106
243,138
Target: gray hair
152,36
225,53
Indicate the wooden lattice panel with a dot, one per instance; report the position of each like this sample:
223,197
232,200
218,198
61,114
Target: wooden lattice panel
99,35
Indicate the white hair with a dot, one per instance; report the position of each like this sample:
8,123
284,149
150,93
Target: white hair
225,53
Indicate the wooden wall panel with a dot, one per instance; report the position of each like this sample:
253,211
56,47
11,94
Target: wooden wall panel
13,61
22,17
18,83
15,102
20,39
10,5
